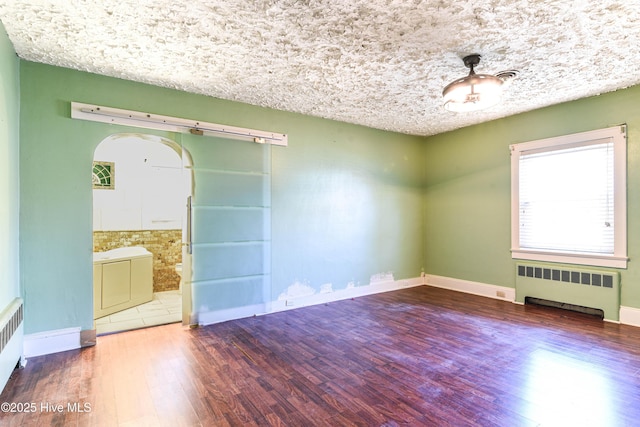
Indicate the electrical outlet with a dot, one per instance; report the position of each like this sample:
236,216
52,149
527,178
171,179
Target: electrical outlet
288,303
501,294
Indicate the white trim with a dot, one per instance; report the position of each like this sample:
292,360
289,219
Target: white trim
97,113
469,287
48,342
630,316
617,135
212,317
583,259
342,294
218,316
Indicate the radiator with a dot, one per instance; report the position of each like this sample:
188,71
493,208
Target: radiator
597,289
11,339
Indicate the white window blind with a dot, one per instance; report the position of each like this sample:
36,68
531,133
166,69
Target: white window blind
566,199
569,198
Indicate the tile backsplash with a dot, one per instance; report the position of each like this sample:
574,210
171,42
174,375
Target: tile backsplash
165,245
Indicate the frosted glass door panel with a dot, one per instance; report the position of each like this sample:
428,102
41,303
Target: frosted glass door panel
230,225
232,188
228,154
241,225
230,260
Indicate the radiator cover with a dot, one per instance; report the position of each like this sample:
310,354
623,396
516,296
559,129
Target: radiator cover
585,287
11,339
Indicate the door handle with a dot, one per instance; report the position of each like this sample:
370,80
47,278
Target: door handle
188,243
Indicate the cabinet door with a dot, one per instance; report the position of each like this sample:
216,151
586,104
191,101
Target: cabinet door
116,283
141,280
97,289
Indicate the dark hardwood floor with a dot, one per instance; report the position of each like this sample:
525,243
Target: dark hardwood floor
420,356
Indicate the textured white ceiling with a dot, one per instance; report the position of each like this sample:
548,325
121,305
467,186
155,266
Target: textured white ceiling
378,63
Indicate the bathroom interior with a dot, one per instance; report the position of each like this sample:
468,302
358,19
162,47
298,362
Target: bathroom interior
139,200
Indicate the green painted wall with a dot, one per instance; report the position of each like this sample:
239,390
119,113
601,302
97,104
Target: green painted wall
467,192
346,200
346,205
9,170
9,194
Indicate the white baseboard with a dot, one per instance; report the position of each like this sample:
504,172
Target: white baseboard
211,317
291,303
48,342
342,294
630,316
475,288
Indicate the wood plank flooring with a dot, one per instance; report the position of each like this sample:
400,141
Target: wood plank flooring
414,357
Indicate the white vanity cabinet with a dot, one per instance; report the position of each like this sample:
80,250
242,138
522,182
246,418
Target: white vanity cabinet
122,278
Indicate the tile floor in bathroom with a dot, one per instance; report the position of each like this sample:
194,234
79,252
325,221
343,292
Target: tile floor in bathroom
166,307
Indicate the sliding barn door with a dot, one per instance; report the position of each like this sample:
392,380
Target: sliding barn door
228,235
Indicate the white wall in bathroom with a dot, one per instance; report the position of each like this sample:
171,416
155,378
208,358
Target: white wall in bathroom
148,192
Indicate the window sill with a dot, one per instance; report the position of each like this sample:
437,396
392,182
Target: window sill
575,258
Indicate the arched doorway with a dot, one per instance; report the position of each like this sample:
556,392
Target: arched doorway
140,194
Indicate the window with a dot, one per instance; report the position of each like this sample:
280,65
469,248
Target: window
103,175
568,199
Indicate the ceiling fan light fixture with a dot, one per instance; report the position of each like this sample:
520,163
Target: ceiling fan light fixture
473,92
